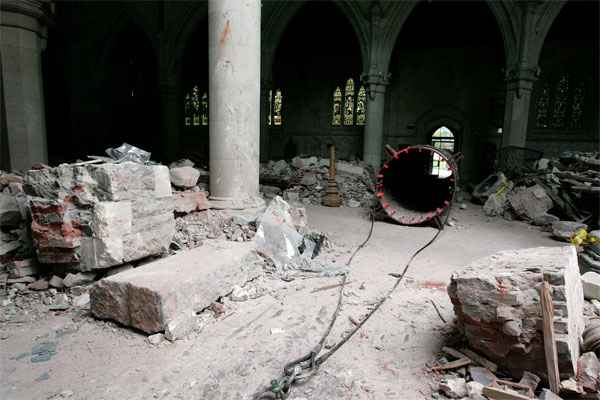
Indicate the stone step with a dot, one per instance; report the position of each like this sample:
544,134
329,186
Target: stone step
167,292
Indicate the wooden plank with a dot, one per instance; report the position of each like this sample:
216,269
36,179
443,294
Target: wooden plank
477,359
501,394
453,352
549,339
461,362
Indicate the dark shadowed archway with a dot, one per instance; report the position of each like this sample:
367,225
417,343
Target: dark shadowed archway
132,101
318,52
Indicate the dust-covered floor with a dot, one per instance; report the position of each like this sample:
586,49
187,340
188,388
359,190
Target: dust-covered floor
241,350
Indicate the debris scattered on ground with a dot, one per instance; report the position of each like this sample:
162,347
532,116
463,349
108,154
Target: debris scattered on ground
304,181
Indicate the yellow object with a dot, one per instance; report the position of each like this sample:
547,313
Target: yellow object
582,237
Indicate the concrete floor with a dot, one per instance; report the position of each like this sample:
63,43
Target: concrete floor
233,356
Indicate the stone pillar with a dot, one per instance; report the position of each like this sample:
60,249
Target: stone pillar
373,136
22,39
234,107
519,84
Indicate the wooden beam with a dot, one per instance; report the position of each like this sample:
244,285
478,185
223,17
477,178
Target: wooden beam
501,394
549,339
461,362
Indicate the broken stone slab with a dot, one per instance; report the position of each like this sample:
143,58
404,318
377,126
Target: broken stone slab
530,202
591,285
40,284
187,202
481,375
565,230
80,278
496,300
56,282
588,372
185,177
151,297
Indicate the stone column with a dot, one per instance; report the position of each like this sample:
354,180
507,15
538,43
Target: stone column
234,107
519,84
22,39
373,136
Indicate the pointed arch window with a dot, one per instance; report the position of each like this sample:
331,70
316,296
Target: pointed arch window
188,110
275,116
196,106
442,139
349,102
560,102
543,105
337,107
361,106
349,108
205,109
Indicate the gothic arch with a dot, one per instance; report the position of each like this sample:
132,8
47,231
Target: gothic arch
400,11
276,20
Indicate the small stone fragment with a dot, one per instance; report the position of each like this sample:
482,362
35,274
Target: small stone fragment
185,177
156,339
40,284
239,294
454,388
82,300
474,391
80,278
588,372
56,282
591,285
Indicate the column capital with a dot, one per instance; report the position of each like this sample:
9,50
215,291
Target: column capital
521,78
376,78
38,9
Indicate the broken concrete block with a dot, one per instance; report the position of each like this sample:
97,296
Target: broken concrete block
21,268
156,339
80,278
185,177
40,284
588,372
566,229
474,391
186,202
591,285
503,289
530,202
56,282
158,293
10,215
454,388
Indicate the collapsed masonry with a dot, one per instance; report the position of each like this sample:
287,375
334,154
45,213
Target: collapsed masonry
94,216
497,303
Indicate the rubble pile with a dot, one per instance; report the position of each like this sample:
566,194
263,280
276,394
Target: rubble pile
304,180
97,215
567,187
192,229
15,237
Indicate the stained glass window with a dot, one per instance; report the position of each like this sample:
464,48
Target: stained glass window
560,102
270,107
576,120
196,105
205,109
277,105
542,105
337,107
361,106
349,102
188,110
442,139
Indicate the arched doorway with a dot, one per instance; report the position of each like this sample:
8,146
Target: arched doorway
133,99
438,64
442,138
317,72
